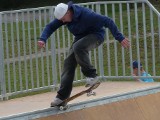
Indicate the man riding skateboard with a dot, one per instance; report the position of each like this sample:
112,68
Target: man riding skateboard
87,28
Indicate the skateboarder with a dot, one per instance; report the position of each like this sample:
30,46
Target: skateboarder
142,72
87,27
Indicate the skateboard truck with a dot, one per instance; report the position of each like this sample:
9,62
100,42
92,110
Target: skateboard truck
91,93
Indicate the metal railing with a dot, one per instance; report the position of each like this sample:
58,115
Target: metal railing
25,68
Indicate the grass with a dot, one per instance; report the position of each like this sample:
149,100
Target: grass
37,72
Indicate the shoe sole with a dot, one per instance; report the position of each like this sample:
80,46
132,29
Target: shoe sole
58,105
89,85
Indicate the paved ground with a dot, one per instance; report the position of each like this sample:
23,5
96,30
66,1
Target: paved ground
41,101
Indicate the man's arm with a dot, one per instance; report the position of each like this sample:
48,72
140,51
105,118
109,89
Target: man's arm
137,79
49,29
107,22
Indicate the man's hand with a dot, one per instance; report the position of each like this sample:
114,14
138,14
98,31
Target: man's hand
41,44
125,43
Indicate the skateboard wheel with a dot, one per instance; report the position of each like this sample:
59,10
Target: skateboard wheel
64,107
61,107
94,93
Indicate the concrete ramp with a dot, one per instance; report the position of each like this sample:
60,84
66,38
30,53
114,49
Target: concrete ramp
140,108
114,101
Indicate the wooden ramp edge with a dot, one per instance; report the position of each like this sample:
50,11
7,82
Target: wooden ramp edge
143,104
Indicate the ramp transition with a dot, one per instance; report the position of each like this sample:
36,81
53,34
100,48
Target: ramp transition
140,108
143,104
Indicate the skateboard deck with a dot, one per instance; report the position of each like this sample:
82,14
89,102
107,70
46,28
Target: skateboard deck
89,92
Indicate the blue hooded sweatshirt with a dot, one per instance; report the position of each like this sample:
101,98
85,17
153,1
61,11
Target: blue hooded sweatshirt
84,22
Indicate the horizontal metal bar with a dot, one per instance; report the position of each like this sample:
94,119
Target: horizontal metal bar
126,77
30,90
88,3
38,55
153,8
113,2
25,10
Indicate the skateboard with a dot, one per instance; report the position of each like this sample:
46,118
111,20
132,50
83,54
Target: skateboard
89,92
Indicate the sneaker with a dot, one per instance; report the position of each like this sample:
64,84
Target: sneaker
91,81
56,102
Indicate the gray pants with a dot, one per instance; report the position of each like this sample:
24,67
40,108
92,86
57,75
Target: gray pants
78,54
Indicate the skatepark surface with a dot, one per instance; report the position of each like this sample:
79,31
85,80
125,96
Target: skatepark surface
114,101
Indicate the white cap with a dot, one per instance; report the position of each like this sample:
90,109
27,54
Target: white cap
60,10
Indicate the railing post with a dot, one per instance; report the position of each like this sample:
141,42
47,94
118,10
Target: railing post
2,77
53,54
100,50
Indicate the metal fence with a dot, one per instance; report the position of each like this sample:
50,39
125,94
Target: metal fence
25,68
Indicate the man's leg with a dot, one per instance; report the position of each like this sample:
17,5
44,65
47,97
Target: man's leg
81,49
67,78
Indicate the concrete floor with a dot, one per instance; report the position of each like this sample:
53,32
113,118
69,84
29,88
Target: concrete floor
41,101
